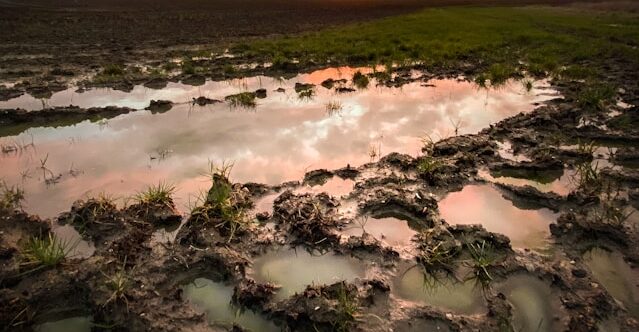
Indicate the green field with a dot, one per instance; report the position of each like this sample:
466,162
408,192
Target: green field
499,41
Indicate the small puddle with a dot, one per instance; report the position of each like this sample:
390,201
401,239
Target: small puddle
215,299
275,142
444,292
265,203
483,204
73,242
505,150
559,182
619,279
293,270
534,303
335,186
73,324
390,231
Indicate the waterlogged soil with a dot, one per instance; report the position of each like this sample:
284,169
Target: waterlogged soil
124,154
334,218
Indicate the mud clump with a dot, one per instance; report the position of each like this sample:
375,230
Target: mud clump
310,218
68,113
159,106
203,101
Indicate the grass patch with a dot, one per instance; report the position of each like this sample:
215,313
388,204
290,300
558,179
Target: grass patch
595,97
160,194
499,40
482,256
42,252
221,205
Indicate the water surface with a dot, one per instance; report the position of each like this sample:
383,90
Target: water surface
294,270
278,141
483,204
215,299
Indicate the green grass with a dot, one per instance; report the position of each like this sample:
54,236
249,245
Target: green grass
436,257
500,40
160,194
118,284
347,309
41,252
220,205
482,257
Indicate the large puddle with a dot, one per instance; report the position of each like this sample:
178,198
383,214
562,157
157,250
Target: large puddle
621,281
277,141
483,204
294,270
215,299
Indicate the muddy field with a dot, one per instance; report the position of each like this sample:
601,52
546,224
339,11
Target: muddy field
261,196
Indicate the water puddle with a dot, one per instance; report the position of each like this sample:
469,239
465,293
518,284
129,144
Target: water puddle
277,141
293,270
74,324
505,150
335,186
559,182
215,299
534,303
483,204
444,292
265,203
76,246
621,281
390,231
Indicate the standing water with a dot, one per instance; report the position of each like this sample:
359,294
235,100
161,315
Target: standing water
279,140
484,205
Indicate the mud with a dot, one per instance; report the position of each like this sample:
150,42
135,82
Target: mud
374,286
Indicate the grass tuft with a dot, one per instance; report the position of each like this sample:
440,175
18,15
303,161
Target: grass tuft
160,194
41,252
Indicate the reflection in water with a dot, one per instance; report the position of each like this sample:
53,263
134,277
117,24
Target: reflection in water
459,297
483,204
390,231
534,303
561,183
265,203
215,299
335,186
74,324
610,269
277,142
293,270
77,247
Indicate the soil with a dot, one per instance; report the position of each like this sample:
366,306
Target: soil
208,245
